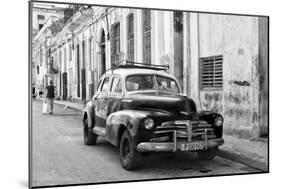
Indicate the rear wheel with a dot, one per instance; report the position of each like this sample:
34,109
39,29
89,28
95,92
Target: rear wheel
89,137
207,154
130,158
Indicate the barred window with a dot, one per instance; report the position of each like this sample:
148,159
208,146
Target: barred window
146,14
115,43
130,29
211,73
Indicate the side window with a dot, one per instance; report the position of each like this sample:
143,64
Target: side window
167,84
116,86
105,85
99,84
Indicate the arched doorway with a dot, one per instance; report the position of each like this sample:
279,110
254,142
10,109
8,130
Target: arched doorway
102,67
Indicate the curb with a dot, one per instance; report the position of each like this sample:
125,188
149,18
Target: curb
240,158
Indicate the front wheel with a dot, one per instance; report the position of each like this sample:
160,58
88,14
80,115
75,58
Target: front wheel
207,154
89,137
129,157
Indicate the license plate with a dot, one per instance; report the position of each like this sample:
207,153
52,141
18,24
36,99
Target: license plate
192,146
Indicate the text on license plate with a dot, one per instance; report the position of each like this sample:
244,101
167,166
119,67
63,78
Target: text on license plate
192,146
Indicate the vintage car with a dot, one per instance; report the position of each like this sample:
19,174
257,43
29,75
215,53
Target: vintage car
141,109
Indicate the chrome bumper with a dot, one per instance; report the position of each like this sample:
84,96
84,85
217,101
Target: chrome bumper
174,146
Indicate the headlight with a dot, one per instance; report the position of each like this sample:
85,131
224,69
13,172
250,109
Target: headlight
148,123
218,121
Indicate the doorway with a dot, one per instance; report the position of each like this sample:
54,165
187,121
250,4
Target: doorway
83,73
78,70
102,67
64,85
178,46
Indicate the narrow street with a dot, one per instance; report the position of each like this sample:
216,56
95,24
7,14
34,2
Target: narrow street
60,156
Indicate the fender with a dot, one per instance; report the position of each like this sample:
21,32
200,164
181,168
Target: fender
210,118
118,121
89,112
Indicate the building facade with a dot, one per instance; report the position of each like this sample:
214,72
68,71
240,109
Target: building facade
221,61
41,13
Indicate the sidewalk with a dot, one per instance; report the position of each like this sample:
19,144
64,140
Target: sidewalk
67,104
70,105
234,148
251,153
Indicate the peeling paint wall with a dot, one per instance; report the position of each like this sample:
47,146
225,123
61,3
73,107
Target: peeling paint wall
263,79
236,38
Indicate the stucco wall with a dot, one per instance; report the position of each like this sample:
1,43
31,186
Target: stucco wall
236,38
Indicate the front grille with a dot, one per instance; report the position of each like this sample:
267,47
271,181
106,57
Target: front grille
183,131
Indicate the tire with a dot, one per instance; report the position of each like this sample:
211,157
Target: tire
89,137
207,154
130,158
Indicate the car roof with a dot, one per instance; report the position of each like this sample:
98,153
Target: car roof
134,71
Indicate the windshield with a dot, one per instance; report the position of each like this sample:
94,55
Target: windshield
151,82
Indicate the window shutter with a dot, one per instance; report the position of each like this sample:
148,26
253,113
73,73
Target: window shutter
147,36
211,73
115,43
130,35
112,46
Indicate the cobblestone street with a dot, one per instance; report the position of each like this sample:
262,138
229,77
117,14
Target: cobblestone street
59,156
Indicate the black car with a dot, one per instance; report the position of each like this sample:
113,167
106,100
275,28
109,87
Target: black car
141,108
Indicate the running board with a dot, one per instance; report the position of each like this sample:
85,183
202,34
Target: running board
99,131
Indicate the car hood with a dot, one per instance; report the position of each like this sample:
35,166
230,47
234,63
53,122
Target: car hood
160,101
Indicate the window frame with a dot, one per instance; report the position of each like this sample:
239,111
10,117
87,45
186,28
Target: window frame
111,85
99,85
130,37
102,84
168,78
115,43
155,82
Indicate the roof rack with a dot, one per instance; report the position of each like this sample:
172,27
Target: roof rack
132,64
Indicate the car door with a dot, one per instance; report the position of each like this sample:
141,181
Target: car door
115,95
114,104
101,107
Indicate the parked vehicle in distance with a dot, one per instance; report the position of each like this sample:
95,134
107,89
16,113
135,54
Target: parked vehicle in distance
140,108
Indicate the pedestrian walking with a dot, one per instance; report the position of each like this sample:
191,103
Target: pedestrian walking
50,95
